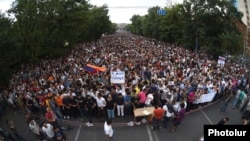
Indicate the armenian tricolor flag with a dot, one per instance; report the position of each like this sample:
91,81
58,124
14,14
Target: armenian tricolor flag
92,69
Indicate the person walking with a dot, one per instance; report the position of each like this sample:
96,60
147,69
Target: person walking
109,132
238,99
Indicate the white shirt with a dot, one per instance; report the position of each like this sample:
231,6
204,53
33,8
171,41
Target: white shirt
150,97
168,114
108,130
101,102
34,128
49,130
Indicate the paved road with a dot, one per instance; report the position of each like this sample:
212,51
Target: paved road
190,129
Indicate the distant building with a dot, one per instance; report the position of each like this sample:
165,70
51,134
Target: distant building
121,28
244,7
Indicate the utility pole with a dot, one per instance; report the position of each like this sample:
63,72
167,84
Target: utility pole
196,26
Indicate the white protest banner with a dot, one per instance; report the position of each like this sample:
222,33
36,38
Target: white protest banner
118,77
205,98
221,61
170,83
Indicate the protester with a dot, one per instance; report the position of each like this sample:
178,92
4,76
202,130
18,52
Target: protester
5,135
223,121
109,132
168,114
179,117
14,131
48,131
35,128
110,106
155,70
157,117
245,120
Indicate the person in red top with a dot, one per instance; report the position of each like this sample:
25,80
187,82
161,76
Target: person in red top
157,117
49,115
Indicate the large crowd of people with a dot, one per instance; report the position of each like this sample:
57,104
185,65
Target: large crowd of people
156,74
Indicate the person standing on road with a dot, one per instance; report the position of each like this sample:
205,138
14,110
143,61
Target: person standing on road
120,105
110,107
5,135
157,117
109,132
14,131
101,105
48,131
35,128
179,117
245,120
90,106
223,121
169,112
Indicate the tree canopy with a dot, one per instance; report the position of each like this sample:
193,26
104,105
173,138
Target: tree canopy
195,24
48,28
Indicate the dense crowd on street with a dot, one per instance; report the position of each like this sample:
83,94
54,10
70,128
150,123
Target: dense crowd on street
156,74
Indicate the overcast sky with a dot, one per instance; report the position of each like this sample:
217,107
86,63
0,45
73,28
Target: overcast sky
120,11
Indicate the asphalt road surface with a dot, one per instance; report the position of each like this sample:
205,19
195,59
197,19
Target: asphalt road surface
190,129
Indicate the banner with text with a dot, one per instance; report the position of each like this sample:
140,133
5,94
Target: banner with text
118,77
205,98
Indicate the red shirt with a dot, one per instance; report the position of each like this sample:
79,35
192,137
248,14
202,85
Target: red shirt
50,116
158,113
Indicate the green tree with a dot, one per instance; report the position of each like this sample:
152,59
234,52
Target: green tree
210,20
171,25
136,26
98,23
10,51
151,23
51,28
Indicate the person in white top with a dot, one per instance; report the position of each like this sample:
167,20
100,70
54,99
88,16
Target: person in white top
149,100
109,132
169,112
48,130
101,105
34,127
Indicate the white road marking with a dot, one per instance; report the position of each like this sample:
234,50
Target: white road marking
155,136
78,133
149,133
205,115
